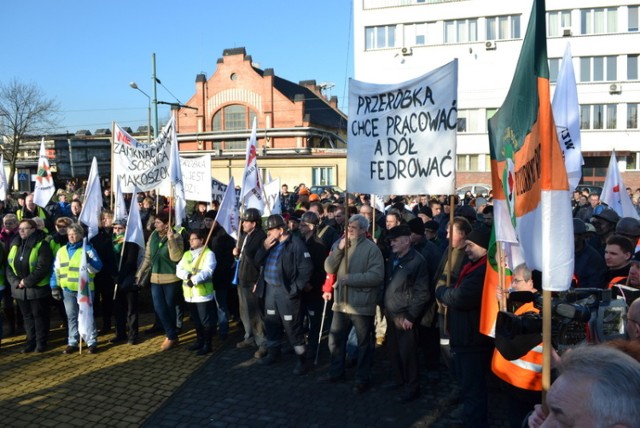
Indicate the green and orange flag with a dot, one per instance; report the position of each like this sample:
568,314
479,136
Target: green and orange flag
531,193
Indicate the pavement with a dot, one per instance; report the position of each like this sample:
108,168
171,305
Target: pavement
138,385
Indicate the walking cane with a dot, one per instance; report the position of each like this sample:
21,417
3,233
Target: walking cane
324,313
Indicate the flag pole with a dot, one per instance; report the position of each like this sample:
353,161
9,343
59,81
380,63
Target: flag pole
546,343
113,167
373,218
115,290
502,275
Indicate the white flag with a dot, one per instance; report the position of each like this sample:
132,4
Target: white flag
272,191
378,202
45,188
134,232
228,214
251,194
566,114
92,205
85,304
614,193
175,173
119,208
3,180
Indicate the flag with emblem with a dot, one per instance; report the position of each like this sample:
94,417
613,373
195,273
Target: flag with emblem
530,185
175,173
134,231
45,188
252,194
228,215
614,193
85,304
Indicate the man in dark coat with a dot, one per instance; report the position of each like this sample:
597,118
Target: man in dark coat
250,242
406,294
471,350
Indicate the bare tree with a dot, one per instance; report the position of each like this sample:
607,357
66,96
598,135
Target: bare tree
25,110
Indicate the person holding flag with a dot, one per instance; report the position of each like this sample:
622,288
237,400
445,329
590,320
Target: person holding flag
195,269
66,283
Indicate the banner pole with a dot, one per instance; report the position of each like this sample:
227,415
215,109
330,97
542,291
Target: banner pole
113,167
373,218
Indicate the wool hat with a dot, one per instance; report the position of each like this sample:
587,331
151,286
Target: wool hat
432,225
211,214
480,236
416,225
398,231
579,226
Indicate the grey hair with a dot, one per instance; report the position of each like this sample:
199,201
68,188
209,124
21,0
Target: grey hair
362,221
615,383
77,228
526,272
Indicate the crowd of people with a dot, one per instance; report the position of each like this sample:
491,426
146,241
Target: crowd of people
409,276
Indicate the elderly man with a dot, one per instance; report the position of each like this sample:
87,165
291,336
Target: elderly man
31,210
355,295
598,386
633,321
406,293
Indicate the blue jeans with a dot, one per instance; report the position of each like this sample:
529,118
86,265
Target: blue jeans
340,328
70,299
164,303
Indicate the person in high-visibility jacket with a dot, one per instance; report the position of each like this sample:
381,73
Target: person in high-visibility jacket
28,268
64,284
524,375
196,271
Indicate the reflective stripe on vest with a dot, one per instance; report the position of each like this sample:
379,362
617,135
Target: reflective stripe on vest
68,271
525,372
198,293
617,280
33,262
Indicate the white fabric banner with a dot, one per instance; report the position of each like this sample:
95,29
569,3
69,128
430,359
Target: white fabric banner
92,204
3,180
228,215
566,113
45,188
196,173
402,137
614,193
119,206
251,193
85,302
135,231
272,191
144,166
218,189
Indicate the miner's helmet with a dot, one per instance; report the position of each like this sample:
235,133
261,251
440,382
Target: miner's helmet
274,221
251,214
310,217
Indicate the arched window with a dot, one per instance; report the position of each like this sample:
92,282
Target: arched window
233,117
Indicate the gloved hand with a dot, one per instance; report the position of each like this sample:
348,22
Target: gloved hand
56,293
91,254
190,283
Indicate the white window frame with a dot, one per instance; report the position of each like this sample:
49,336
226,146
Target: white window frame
598,20
558,20
371,38
592,67
462,30
512,30
323,176
601,116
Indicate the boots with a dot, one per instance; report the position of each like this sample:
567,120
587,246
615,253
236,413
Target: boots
208,337
273,356
199,340
301,366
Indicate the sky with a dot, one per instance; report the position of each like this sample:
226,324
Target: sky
84,54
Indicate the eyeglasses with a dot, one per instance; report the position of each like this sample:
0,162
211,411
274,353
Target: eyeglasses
25,228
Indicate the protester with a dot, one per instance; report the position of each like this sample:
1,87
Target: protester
29,264
65,280
164,250
196,271
126,290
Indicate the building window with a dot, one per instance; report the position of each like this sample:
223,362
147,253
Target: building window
469,120
632,116
461,31
380,37
633,18
632,67
598,21
232,117
598,68
557,21
503,27
417,34
490,113
470,163
633,161
598,116
554,68
323,176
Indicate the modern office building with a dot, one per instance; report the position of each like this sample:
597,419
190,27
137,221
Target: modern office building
396,40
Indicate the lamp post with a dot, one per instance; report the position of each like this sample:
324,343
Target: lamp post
135,86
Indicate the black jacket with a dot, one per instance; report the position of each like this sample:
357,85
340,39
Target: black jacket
222,246
249,270
318,253
42,270
463,313
406,286
295,267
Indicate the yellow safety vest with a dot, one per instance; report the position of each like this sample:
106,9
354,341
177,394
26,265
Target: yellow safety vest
68,273
202,292
33,262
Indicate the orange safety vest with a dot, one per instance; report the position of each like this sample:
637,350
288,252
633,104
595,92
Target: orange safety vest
525,372
617,280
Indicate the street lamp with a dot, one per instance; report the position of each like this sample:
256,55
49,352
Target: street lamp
135,86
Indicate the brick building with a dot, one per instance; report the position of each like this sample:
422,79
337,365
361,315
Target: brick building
301,133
